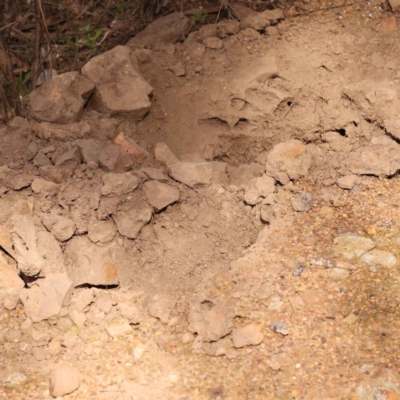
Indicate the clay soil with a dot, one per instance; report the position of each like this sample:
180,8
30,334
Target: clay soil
214,246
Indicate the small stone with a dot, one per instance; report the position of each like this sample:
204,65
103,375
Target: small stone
347,182
131,312
303,202
249,335
160,195
71,159
119,328
160,307
379,258
138,154
42,186
389,24
187,338
192,174
274,364
178,70
78,318
119,184
280,327
101,231
130,223
64,379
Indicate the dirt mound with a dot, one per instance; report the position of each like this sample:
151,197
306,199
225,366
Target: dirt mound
208,218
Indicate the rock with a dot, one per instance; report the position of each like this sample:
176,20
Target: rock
90,150
258,189
91,264
163,31
130,312
211,320
62,228
243,12
288,161
130,223
71,159
379,258
78,318
191,174
81,299
213,43
120,90
163,154
119,184
10,299
41,186
24,241
64,379
101,231
156,174
314,297
159,195
350,247
347,182
382,383
138,154
55,174
257,22
178,70
60,100
119,328
280,327
227,27
249,335
273,16
219,348
394,5
143,55
160,307
9,278
46,297
41,160
74,130
378,160
110,156
303,202
18,181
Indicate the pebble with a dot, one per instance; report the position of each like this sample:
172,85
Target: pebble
303,202
314,296
351,246
280,327
379,258
119,328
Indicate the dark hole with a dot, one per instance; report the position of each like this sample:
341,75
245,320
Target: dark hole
355,123
342,132
207,305
289,103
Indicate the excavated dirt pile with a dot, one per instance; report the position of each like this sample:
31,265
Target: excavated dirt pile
209,218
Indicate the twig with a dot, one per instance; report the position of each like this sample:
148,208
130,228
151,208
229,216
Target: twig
38,35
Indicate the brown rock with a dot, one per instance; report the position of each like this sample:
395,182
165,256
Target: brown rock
389,24
60,100
64,379
213,43
71,159
9,277
62,228
163,31
159,195
191,174
163,154
55,174
119,184
138,154
249,335
74,130
120,90
130,223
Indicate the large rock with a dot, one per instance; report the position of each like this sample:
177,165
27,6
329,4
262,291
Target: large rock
164,154
192,174
46,297
165,30
379,160
64,379
130,223
159,195
90,150
121,91
101,231
91,264
288,161
60,100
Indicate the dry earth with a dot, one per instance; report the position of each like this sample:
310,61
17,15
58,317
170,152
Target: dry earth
257,260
